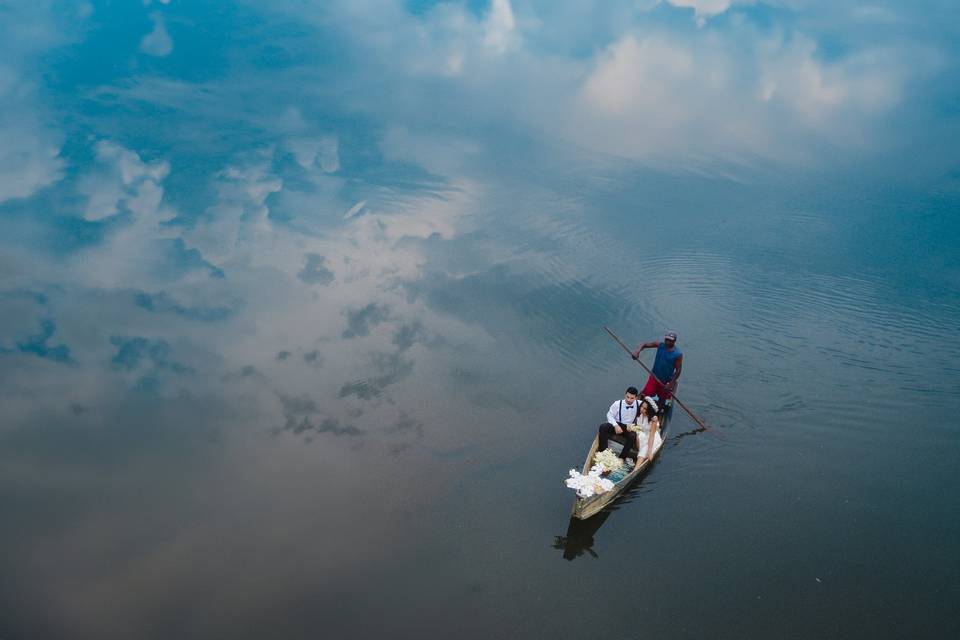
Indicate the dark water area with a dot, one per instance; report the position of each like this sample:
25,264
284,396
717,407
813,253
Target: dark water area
288,350
822,503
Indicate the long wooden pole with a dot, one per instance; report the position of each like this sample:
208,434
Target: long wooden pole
700,422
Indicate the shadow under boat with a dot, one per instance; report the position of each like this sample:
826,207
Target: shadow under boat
580,536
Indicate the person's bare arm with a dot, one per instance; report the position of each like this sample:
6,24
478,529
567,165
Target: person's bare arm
612,418
677,368
654,426
645,345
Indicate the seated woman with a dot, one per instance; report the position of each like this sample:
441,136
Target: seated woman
647,429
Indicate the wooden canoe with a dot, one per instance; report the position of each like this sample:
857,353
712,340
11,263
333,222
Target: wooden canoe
583,508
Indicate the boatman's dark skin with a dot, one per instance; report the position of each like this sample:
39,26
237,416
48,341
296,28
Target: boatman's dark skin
666,366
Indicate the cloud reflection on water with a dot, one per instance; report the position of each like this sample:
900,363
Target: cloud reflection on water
273,275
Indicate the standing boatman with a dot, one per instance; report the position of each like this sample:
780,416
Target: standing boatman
666,366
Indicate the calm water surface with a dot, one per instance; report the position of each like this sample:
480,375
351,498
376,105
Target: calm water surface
274,364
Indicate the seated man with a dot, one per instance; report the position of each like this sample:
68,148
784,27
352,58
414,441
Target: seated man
622,413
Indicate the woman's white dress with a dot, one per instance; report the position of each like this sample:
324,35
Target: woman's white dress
643,428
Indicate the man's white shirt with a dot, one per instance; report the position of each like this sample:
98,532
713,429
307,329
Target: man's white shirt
620,411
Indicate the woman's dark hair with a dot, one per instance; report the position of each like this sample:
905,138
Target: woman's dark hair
650,412
632,390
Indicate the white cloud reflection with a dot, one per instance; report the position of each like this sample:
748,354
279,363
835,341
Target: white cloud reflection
317,235
268,262
158,42
30,142
647,89
664,97
703,9
401,145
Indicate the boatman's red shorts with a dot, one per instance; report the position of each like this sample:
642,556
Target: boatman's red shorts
654,388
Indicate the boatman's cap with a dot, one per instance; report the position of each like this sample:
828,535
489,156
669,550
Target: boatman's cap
670,335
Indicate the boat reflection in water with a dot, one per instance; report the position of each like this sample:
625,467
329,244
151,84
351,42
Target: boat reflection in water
580,536
579,539
580,533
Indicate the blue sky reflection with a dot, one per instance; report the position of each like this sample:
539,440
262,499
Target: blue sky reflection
228,232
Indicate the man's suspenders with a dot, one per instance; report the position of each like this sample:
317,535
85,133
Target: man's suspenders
620,414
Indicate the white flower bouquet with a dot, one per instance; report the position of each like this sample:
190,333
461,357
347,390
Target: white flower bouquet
608,460
590,484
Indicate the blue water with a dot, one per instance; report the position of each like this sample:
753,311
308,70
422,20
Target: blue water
302,309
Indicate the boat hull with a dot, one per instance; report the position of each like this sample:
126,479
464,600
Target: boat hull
584,508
